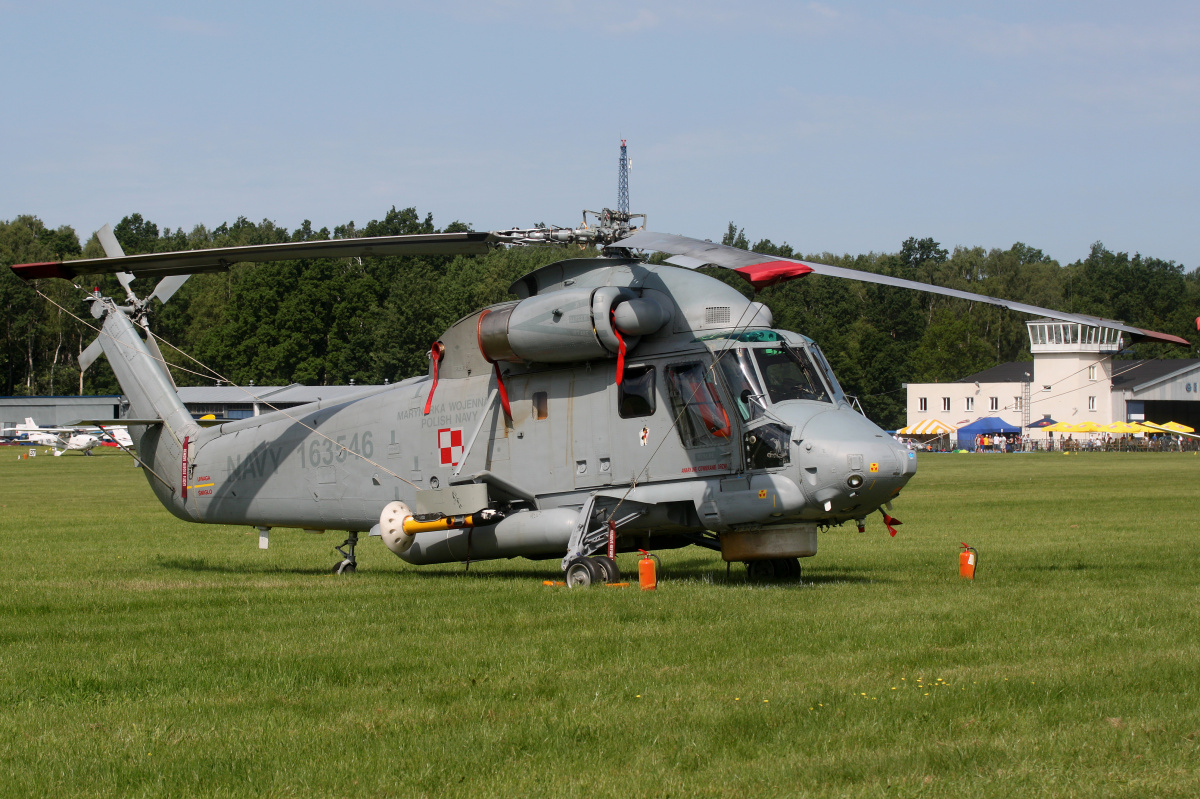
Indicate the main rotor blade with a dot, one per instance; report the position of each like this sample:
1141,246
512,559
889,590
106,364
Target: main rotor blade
113,249
218,259
767,270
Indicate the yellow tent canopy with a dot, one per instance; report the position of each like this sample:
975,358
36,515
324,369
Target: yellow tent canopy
927,427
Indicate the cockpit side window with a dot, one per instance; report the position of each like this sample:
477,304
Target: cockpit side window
790,374
703,421
737,367
823,363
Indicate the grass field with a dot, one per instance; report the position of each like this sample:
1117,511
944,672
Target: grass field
142,656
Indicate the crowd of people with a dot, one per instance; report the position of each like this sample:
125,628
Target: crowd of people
1100,442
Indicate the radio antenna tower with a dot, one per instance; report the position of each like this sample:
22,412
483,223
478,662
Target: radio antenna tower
623,181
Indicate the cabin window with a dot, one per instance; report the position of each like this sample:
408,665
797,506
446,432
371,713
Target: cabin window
541,405
702,420
635,395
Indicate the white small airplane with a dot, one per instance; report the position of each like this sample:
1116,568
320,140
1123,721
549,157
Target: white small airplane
67,439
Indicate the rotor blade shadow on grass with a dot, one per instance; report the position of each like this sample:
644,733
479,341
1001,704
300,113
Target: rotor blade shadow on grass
203,565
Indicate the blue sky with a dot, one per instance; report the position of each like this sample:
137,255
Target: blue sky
842,127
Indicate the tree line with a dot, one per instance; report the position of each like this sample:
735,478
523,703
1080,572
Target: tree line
330,321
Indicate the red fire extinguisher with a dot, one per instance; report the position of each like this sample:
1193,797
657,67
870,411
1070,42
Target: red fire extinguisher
967,560
647,572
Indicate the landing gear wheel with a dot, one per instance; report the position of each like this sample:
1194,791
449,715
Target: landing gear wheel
760,571
349,563
608,569
583,572
788,568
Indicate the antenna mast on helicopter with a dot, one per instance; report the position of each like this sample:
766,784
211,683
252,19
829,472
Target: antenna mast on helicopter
606,227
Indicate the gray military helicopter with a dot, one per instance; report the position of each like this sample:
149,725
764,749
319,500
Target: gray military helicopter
614,405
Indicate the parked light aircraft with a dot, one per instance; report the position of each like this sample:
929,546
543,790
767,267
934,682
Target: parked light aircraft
75,438
614,404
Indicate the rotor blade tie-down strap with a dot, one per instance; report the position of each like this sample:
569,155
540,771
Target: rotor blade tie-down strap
435,352
503,391
620,346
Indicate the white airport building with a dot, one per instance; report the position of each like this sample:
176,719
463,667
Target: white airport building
1073,378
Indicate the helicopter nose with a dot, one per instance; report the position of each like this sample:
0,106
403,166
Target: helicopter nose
848,466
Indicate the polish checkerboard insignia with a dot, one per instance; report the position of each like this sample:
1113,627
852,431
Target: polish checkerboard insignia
450,445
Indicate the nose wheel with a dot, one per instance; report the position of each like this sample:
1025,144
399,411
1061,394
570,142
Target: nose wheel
349,564
773,570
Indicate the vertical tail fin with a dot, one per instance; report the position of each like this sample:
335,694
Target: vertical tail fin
141,375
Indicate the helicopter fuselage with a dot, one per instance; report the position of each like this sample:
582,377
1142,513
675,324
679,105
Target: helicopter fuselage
721,430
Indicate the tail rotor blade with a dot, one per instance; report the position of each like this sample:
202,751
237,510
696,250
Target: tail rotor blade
112,248
89,355
167,286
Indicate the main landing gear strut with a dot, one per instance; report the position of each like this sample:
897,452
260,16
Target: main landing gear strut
348,565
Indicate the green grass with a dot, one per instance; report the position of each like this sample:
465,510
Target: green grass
142,656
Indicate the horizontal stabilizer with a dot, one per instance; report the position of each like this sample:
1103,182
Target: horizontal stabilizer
147,422
767,270
113,422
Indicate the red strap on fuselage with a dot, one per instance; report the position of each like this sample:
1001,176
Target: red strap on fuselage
503,391
612,317
435,352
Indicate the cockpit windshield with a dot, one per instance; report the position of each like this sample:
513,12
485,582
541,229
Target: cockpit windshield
790,374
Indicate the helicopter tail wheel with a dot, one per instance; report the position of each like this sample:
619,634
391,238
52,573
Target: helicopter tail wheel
608,568
349,564
583,572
